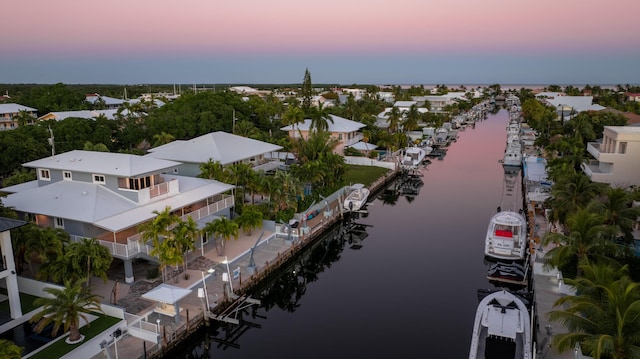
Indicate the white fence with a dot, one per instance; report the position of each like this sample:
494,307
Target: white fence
365,161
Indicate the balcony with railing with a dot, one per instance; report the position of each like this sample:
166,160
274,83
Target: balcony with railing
135,246
353,140
267,166
157,191
596,150
598,171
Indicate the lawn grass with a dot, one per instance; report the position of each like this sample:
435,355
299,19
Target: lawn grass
363,174
26,302
60,347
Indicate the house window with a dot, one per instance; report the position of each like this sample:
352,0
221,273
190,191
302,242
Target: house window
340,136
99,179
623,148
59,223
45,175
139,183
66,175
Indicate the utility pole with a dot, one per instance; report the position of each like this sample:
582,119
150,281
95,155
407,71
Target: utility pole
52,143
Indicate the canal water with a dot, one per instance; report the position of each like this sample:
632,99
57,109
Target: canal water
402,283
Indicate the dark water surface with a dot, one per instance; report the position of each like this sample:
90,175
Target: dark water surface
408,291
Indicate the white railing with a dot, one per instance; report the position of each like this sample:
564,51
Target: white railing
269,166
147,194
115,249
225,202
159,189
353,140
138,322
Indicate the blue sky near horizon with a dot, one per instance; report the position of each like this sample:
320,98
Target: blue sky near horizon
342,42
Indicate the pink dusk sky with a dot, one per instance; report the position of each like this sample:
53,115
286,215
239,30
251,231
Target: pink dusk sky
346,41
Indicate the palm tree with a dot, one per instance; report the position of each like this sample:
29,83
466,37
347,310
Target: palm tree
24,118
619,212
65,308
224,228
89,257
571,193
162,139
9,350
45,245
413,116
587,238
603,317
158,230
240,174
249,219
184,236
293,116
320,118
395,116
213,170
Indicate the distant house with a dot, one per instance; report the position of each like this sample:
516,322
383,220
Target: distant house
107,102
403,107
8,113
438,103
635,97
108,196
347,132
219,146
569,106
615,157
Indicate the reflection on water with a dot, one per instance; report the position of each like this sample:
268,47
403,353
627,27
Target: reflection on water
407,284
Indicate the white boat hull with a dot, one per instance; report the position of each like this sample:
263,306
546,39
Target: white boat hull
506,237
502,328
356,199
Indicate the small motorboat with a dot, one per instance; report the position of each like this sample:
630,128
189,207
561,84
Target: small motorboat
413,157
357,198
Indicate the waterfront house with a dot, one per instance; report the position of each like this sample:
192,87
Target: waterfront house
569,106
108,196
615,157
347,132
9,113
439,103
219,146
382,120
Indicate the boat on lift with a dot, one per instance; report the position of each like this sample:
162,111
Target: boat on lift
357,198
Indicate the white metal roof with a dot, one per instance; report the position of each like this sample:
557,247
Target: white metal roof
166,293
80,201
578,103
363,146
115,164
14,108
61,115
220,146
339,125
96,204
